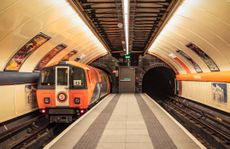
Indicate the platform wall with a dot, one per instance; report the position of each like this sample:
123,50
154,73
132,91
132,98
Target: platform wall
205,93
16,100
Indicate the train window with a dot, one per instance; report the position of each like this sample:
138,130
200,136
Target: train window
62,74
48,76
78,78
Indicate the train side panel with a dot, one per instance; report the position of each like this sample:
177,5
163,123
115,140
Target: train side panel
94,86
105,85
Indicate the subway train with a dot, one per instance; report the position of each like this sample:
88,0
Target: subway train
67,89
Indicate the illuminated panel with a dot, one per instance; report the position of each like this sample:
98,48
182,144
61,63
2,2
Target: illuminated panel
20,57
126,23
208,60
45,60
190,60
80,57
171,55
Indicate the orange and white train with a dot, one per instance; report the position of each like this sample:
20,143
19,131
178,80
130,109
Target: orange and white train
67,89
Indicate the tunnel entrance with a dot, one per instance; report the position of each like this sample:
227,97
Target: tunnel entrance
159,82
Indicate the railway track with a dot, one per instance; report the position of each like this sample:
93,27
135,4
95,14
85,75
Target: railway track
212,127
22,131
32,133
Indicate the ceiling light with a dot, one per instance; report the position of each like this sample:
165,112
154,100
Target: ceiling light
172,55
125,4
119,25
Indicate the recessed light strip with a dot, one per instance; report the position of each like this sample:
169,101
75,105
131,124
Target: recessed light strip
126,23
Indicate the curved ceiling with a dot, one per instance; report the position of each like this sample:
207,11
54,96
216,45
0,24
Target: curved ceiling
199,29
205,24
21,20
106,16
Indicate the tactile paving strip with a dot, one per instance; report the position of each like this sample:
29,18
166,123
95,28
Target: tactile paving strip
158,135
92,136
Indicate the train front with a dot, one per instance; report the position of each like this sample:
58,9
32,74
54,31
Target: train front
61,92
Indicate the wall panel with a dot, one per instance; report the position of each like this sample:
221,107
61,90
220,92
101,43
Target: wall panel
14,102
202,92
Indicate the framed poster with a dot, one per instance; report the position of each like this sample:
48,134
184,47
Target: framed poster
219,92
190,60
207,60
23,53
70,54
179,62
45,60
30,91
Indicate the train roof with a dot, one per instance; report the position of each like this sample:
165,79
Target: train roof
74,63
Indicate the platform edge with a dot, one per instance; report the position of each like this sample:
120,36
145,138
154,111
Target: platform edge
174,120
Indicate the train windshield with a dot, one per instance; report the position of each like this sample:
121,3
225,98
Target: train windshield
62,74
48,76
78,78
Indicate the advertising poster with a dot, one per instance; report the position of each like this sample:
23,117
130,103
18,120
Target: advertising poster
219,92
208,60
179,62
70,54
30,91
190,60
19,58
45,60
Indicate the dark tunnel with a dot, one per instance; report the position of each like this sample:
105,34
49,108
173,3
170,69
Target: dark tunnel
159,82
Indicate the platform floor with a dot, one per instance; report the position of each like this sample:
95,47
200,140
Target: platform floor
125,121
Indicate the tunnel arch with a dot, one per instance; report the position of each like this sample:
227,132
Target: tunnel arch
159,81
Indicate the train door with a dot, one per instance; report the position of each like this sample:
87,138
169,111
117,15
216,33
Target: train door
126,79
62,85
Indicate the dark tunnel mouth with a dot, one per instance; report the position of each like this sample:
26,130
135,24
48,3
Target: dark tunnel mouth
159,82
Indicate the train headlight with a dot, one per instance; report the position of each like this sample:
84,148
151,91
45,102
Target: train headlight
77,100
62,97
43,111
46,100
